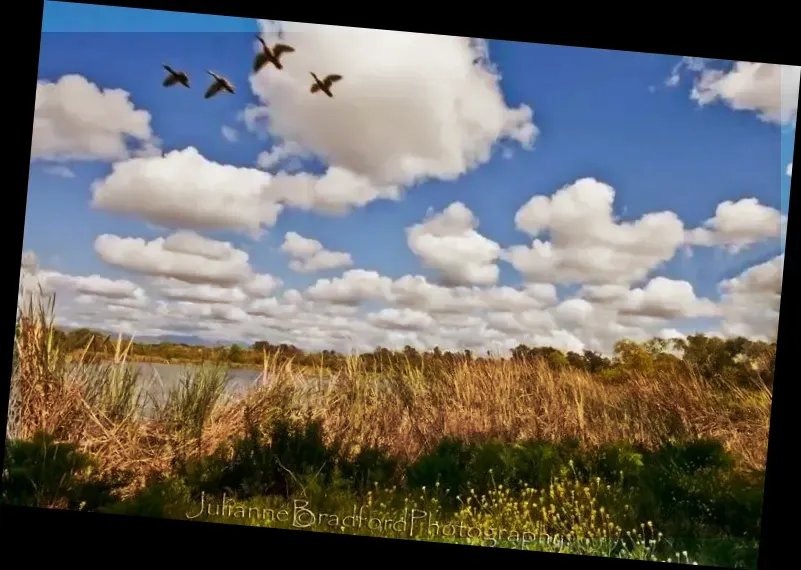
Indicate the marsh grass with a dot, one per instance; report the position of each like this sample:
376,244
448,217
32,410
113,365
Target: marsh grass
404,409
431,427
413,408
187,408
99,405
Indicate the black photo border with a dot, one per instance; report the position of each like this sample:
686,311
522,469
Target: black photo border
80,537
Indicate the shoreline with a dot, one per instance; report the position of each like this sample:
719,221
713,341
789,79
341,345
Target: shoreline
247,367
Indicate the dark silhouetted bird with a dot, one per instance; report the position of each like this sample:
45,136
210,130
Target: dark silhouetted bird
270,55
325,84
220,84
175,77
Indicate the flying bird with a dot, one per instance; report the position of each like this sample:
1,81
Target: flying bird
175,77
270,55
220,84
325,84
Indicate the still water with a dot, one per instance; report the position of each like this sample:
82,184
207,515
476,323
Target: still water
158,379
166,376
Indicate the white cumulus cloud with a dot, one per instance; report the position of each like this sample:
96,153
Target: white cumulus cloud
74,119
768,89
309,255
587,244
449,243
409,107
751,300
153,258
183,189
667,299
739,224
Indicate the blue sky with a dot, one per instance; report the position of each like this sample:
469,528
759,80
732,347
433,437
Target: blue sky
65,17
601,114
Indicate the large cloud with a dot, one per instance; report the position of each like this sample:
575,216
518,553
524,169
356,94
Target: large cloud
768,89
309,255
751,300
336,192
667,299
74,119
449,243
739,224
587,244
410,107
178,257
353,288
185,190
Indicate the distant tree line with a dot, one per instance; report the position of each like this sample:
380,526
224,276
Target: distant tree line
738,359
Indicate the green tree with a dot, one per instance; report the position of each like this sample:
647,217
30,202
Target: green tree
576,361
595,363
235,354
633,357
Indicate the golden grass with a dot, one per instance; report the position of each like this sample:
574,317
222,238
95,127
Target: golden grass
98,405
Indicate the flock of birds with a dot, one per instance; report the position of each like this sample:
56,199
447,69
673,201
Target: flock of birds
265,56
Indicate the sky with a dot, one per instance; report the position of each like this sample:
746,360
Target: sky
453,192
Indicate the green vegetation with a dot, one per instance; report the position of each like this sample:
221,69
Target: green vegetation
738,360
44,473
654,452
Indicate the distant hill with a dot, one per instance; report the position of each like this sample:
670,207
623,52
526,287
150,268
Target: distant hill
178,339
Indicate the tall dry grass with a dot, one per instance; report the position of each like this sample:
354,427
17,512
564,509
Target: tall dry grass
100,405
513,401
407,410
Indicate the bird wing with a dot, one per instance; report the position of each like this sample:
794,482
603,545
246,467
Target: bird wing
278,49
213,89
259,61
331,79
170,80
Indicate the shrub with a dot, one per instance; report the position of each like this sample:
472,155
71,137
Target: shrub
265,464
42,472
692,488
370,466
459,466
447,465
167,498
